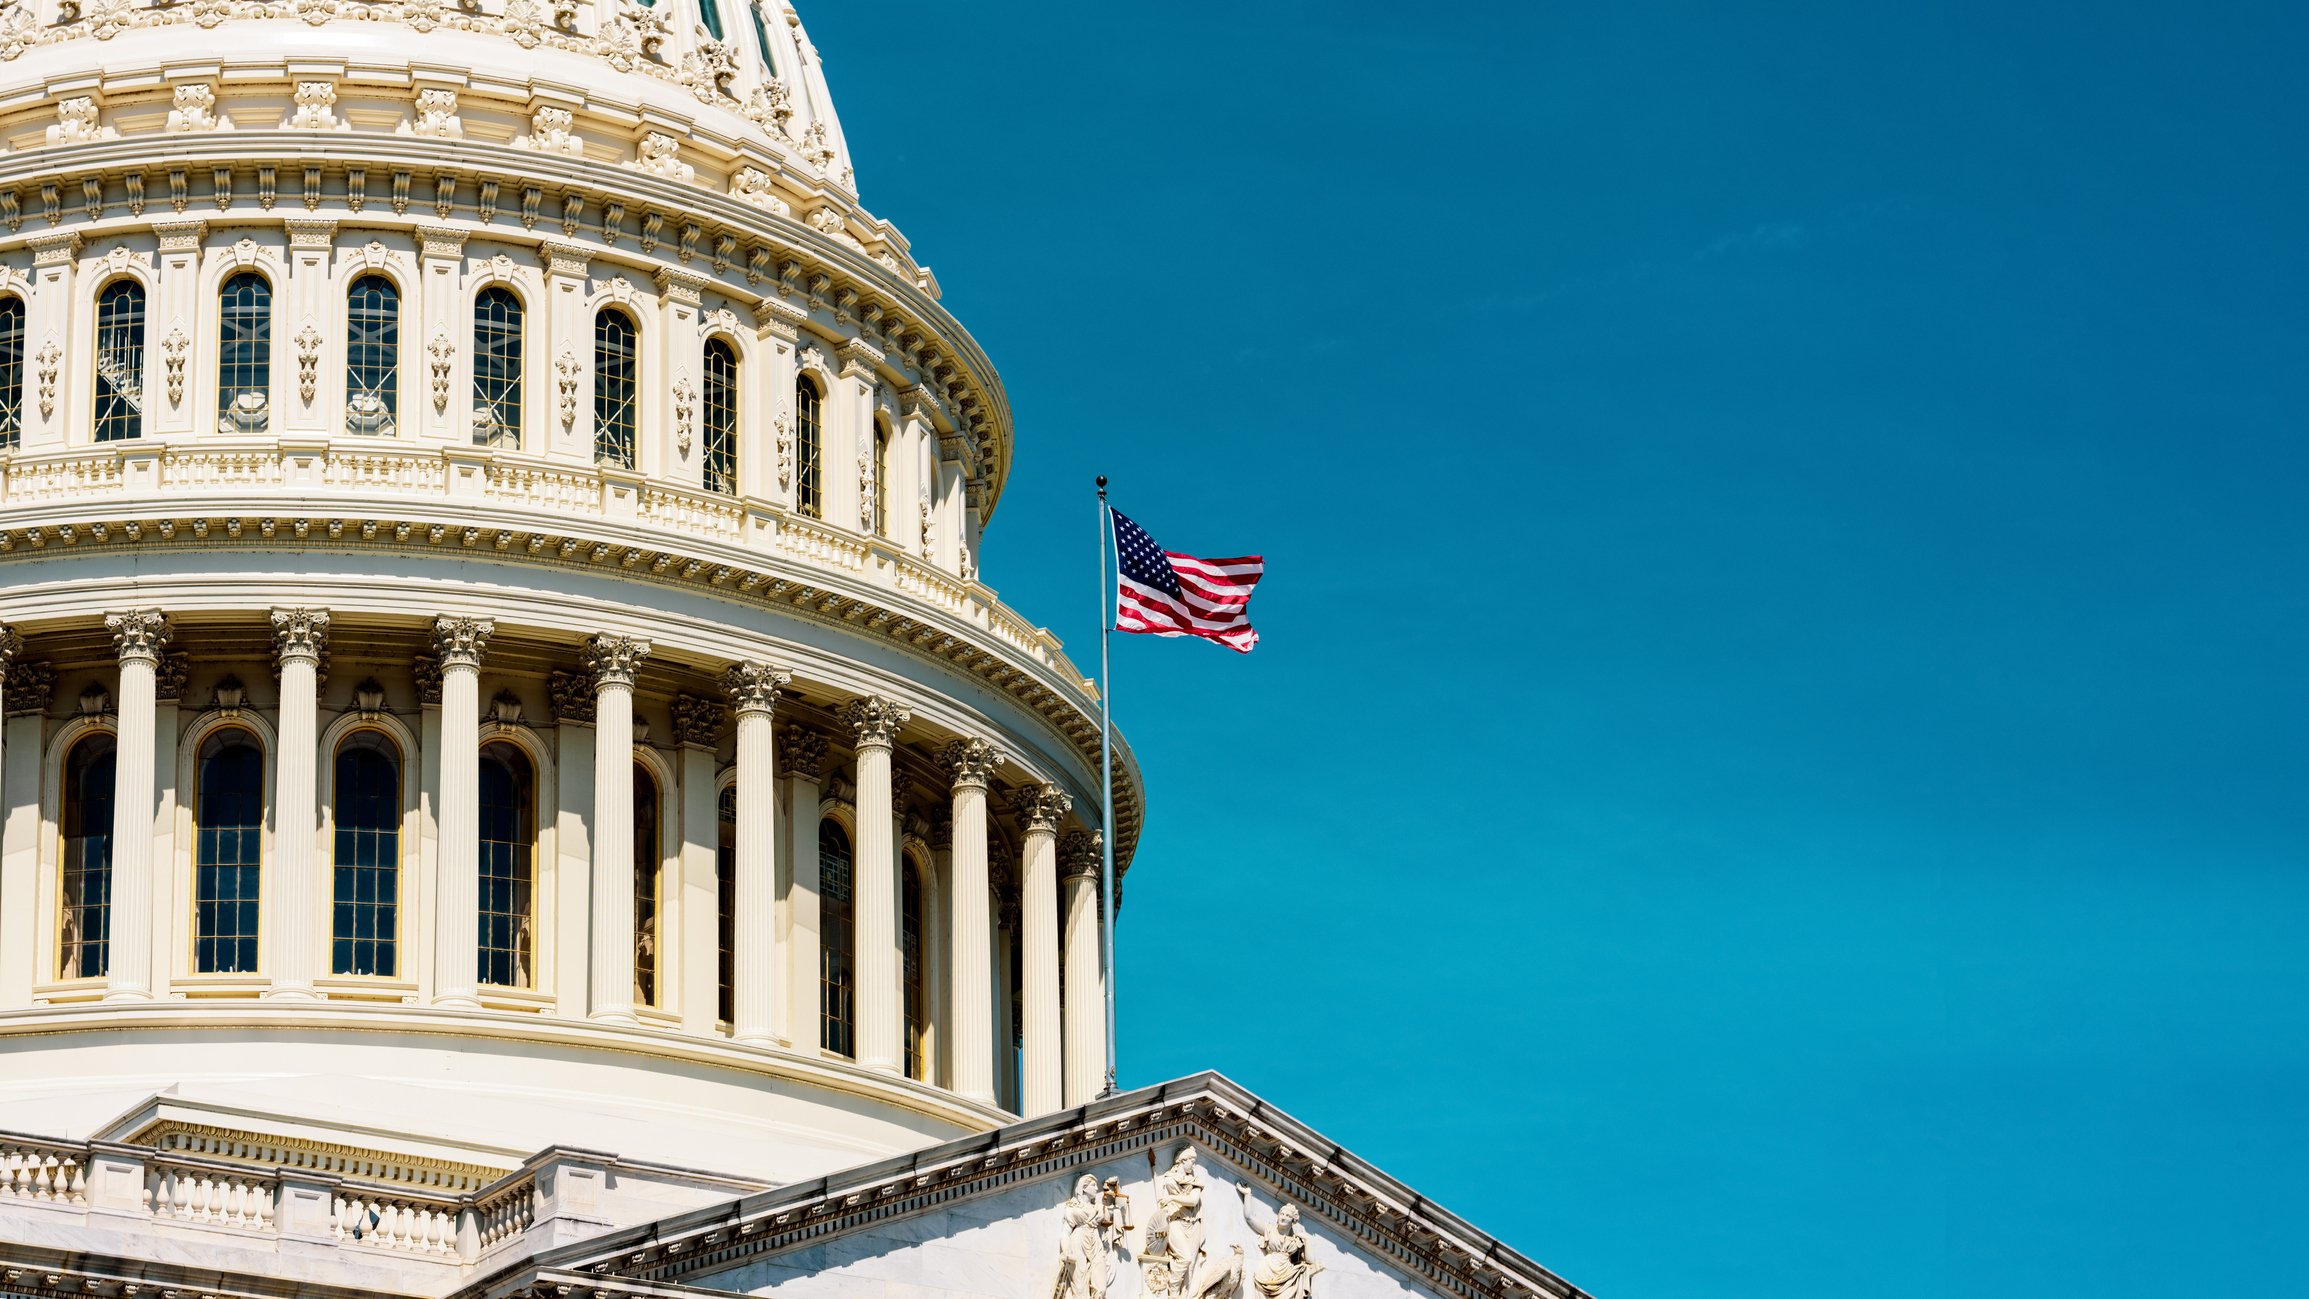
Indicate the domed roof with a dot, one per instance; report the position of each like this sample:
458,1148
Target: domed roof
739,68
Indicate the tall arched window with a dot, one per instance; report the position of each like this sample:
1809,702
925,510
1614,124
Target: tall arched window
711,15
762,33
84,936
726,903
616,376
910,970
229,813
837,940
508,864
648,874
365,918
497,368
721,417
244,354
809,451
11,372
372,356
881,478
120,361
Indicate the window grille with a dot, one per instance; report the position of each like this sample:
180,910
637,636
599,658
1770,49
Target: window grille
726,902
508,864
365,917
711,14
229,818
372,356
120,362
910,955
84,944
648,868
809,451
837,943
244,356
11,372
721,418
616,373
881,479
497,368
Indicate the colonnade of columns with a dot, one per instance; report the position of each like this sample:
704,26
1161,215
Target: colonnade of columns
1063,1048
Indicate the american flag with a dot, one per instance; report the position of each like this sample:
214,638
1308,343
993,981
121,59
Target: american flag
1165,593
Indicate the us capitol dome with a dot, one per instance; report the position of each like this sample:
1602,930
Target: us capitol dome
512,779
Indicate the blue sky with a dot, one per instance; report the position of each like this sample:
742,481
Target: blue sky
1778,761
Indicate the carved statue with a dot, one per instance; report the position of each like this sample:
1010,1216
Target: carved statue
1284,1270
1175,1264
1095,1219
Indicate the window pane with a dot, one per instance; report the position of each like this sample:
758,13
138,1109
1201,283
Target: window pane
244,354
726,902
84,942
368,856
615,378
721,418
910,958
508,849
838,985
372,356
229,815
497,368
809,497
120,362
648,865
11,372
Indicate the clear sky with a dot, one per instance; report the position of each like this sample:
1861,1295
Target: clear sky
1780,759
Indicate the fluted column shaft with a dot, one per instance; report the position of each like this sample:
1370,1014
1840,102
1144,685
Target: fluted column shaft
293,916
753,691
973,762
460,643
1041,1082
138,636
1085,1049
612,660
881,1014
11,645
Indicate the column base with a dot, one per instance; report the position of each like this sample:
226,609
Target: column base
621,1018
279,993
127,994
457,1001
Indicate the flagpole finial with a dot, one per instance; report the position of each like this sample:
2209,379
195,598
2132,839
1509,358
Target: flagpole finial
1102,487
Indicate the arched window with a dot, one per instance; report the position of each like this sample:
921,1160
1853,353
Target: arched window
11,372
84,942
508,863
711,15
721,417
497,368
244,354
229,814
616,376
648,873
120,361
726,903
881,478
365,918
809,451
372,356
762,34
910,971
837,940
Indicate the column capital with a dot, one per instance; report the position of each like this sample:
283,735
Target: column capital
614,659
571,696
31,686
875,720
300,633
971,762
173,677
11,645
802,752
461,641
697,721
1079,854
139,634
1043,805
753,687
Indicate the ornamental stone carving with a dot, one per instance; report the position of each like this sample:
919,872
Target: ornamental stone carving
613,660
172,354
566,369
685,409
868,497
31,687
173,677
425,670
436,116
300,633
708,70
443,351
570,695
138,634
697,722
76,122
1095,1218
660,155
461,641
875,721
552,130
369,699
1283,1271
972,762
308,342
785,440
194,110
802,752
11,645
754,186
753,687
1176,1264
47,358
316,108
771,106
1044,805
1079,855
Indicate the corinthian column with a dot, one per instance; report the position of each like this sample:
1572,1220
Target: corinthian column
612,660
11,645
1040,1086
753,691
459,642
881,1017
1078,859
291,887
138,635
973,762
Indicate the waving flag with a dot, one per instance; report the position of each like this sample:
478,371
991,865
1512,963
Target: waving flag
1164,593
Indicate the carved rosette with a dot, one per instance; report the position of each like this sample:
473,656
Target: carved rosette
1044,805
753,687
802,752
875,721
461,641
300,634
138,634
1079,854
697,721
614,659
973,762
571,696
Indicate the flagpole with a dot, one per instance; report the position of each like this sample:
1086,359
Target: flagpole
1106,597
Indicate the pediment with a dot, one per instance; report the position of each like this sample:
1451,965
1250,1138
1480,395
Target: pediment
1007,1213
